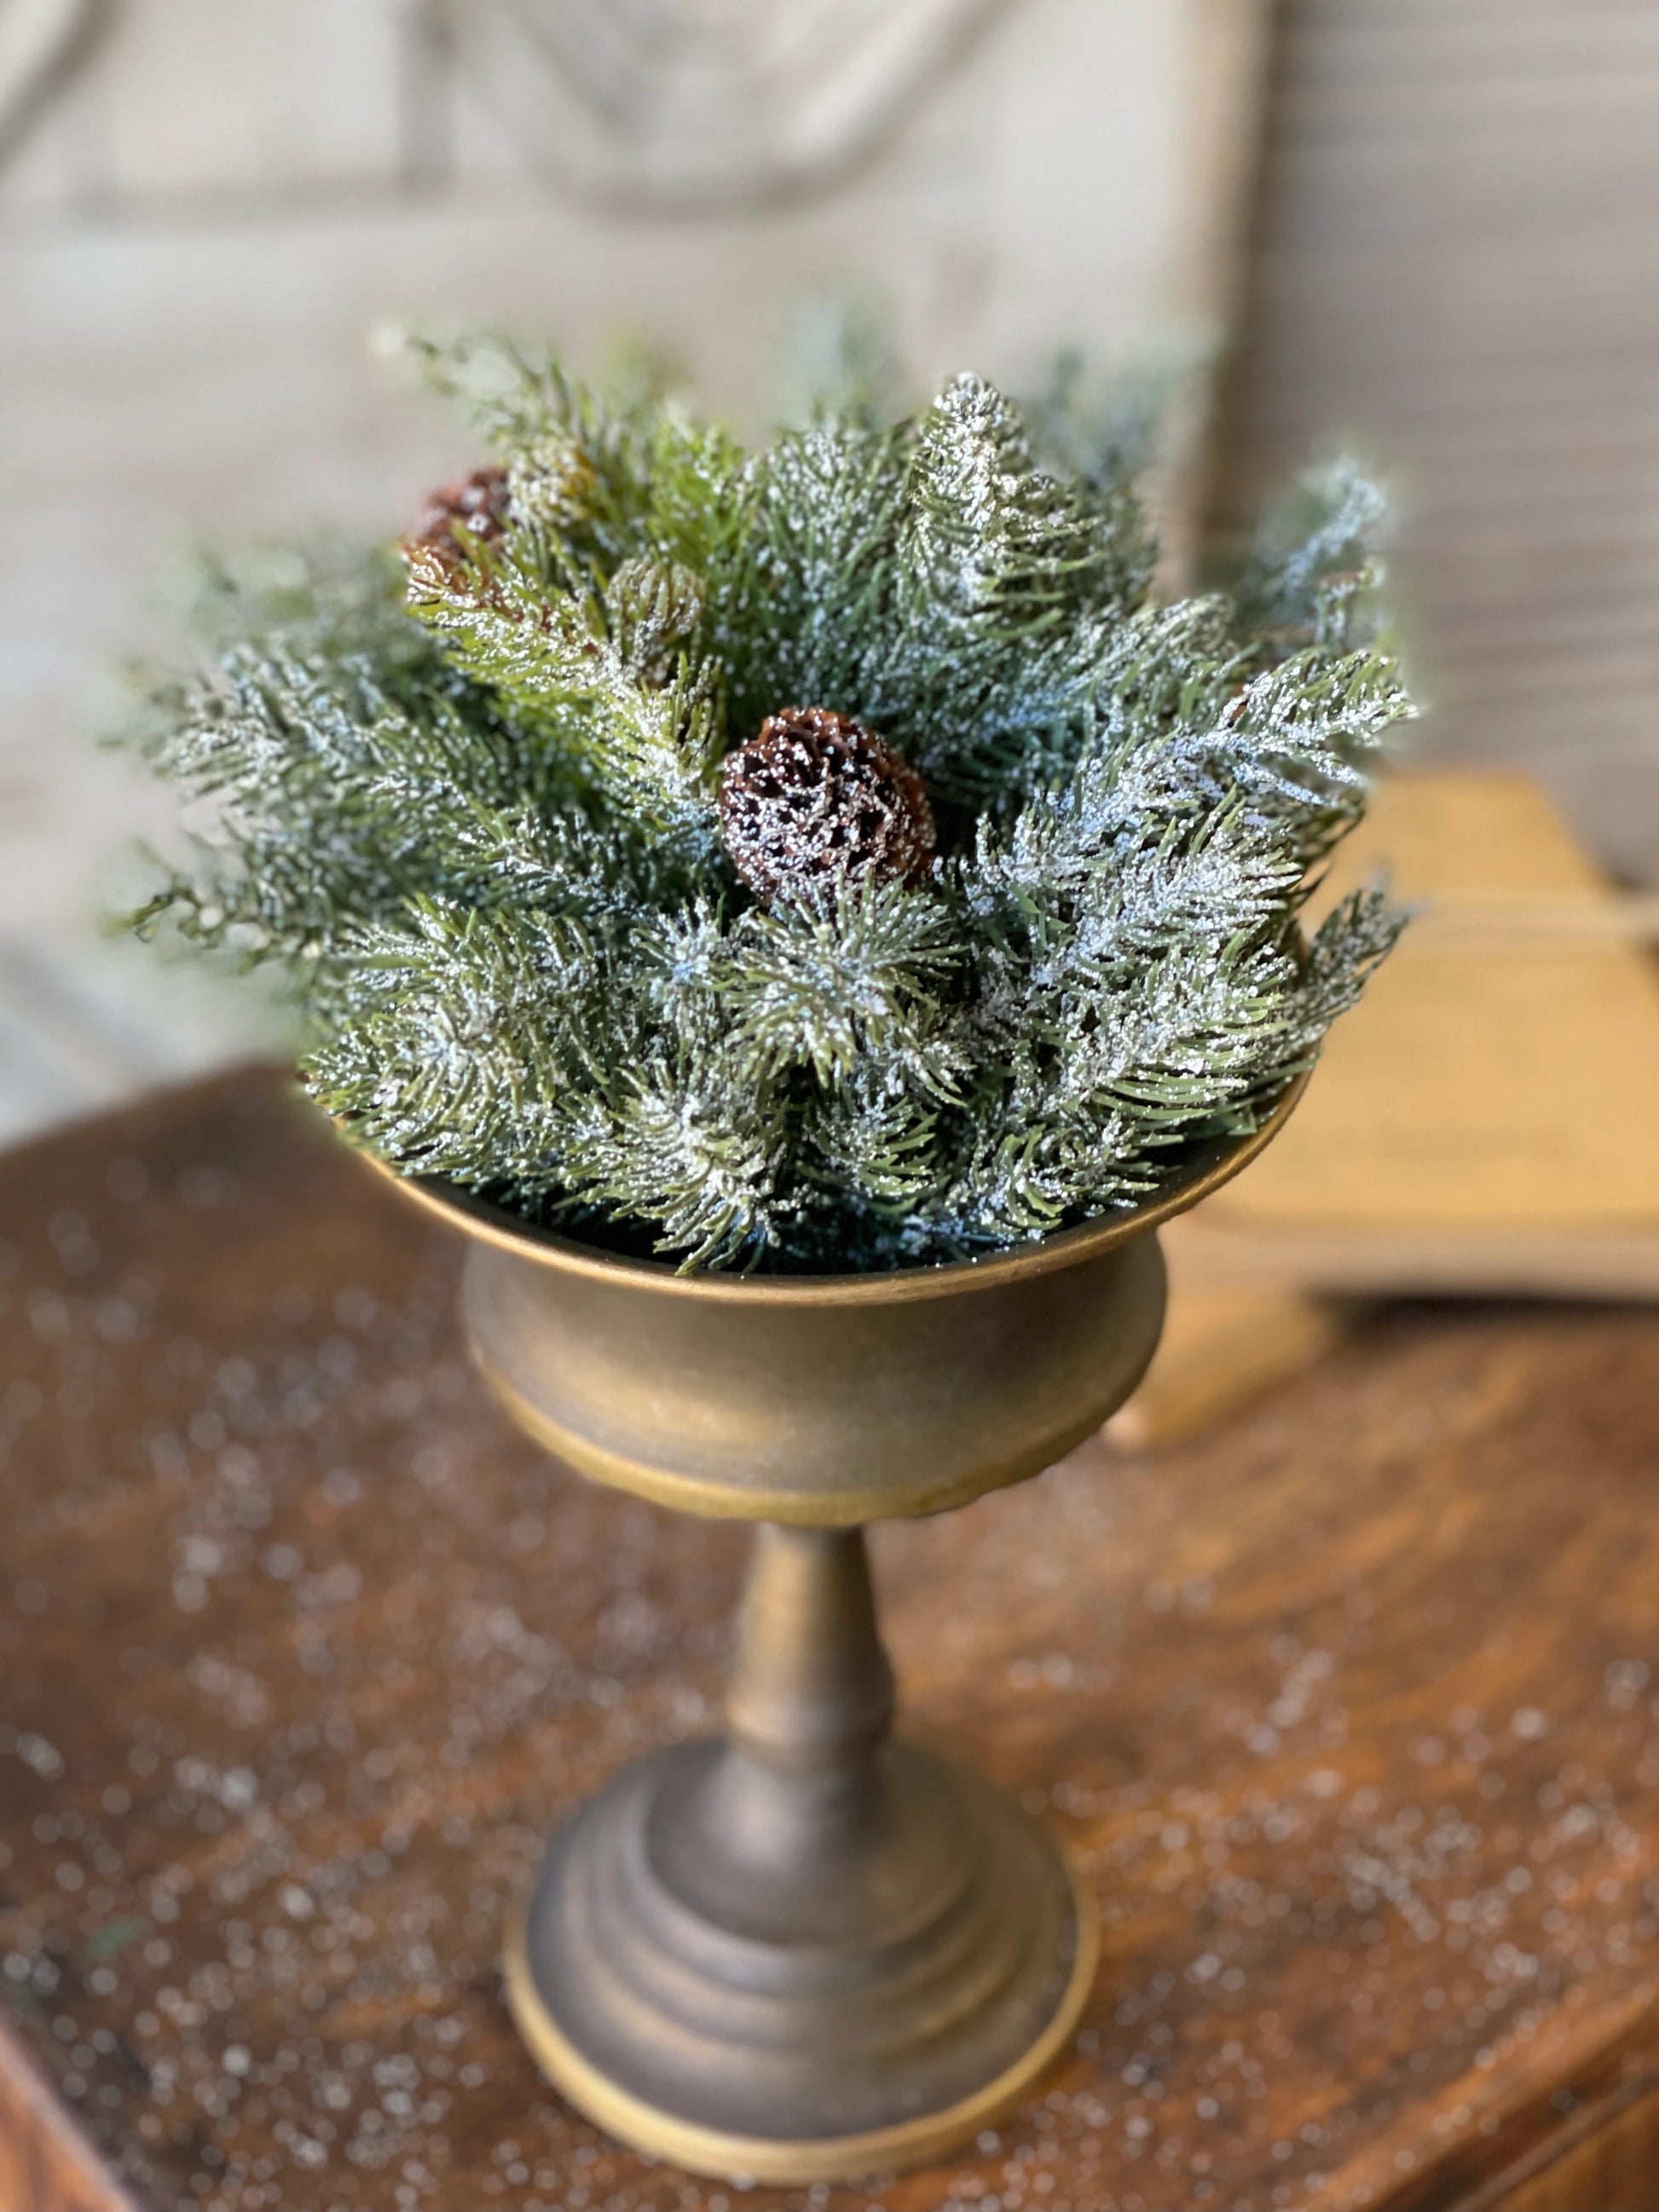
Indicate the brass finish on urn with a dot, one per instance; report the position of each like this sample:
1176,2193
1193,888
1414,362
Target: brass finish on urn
801,1951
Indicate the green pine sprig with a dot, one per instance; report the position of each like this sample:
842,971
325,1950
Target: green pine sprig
467,801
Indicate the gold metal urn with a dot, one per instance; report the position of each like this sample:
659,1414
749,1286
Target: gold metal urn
802,1951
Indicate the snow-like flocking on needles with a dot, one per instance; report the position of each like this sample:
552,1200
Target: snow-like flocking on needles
828,857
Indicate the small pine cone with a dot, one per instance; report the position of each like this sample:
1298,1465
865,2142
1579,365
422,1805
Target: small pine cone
816,799
478,503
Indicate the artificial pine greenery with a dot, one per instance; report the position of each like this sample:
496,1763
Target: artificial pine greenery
468,799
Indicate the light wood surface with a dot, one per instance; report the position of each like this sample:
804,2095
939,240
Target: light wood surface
1485,1120
1222,1345
1483,1123
1345,1710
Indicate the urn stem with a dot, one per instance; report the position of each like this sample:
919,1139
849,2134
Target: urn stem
799,1950
810,1689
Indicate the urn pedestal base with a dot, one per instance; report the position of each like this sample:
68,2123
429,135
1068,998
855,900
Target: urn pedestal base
801,1953
711,2023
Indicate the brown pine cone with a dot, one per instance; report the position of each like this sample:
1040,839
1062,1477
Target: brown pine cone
817,799
477,503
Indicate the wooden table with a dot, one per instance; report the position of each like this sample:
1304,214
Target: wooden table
1345,1710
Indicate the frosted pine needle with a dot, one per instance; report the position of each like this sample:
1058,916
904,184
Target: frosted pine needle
468,800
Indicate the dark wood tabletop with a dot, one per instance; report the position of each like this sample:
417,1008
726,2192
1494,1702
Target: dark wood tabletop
1347,1709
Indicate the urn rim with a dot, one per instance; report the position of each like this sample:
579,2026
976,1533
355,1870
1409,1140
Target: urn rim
485,1222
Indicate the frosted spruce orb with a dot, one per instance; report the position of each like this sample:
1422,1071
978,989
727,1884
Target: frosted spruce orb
825,858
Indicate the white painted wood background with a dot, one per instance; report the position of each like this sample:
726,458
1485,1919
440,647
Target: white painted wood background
214,205
1458,266
1457,262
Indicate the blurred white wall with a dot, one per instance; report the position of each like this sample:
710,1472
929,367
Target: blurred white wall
1457,266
